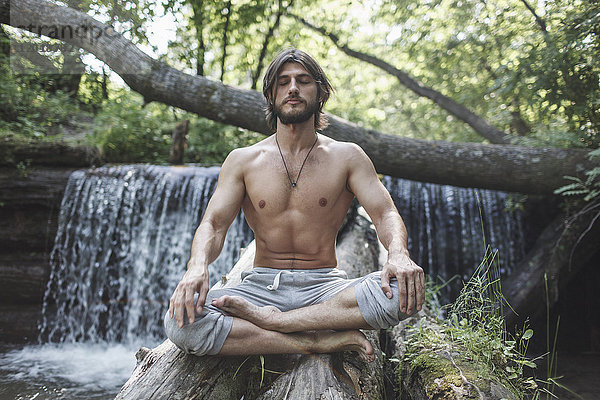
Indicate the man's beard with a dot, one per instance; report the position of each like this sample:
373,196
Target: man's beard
296,116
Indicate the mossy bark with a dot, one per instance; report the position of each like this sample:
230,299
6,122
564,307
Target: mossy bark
426,374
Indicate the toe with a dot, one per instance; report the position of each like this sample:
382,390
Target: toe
221,301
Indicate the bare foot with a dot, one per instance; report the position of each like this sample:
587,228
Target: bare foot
353,340
263,317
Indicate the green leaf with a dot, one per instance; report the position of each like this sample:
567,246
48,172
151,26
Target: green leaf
528,363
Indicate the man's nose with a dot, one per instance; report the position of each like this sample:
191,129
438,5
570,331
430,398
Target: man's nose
293,86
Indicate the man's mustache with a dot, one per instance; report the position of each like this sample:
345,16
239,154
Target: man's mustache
288,98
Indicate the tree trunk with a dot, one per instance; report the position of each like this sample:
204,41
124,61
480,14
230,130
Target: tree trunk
479,125
167,373
559,253
510,168
179,142
225,32
198,9
263,51
104,84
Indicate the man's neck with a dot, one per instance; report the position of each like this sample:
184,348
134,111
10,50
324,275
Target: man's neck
294,138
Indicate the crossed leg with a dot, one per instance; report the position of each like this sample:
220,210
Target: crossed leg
340,312
306,330
246,338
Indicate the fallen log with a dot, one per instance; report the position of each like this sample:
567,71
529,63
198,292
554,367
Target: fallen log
166,372
500,167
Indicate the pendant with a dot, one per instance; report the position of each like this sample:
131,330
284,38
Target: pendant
293,184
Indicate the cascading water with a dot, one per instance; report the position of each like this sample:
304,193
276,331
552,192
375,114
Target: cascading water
125,233
122,245
450,227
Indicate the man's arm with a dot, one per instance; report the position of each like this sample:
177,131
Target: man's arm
376,200
208,241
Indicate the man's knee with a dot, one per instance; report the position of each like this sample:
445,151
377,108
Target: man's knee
205,336
379,311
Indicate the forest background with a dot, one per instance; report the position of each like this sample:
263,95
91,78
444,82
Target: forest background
504,72
529,70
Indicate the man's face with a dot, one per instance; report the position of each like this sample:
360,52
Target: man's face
295,94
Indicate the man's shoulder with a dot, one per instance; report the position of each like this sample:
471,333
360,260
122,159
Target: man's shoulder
344,150
244,153
339,146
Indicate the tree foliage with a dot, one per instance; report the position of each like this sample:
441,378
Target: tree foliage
530,70
493,57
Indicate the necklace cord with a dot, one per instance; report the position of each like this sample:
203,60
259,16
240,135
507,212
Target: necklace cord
293,183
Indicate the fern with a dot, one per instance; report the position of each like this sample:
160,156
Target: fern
590,188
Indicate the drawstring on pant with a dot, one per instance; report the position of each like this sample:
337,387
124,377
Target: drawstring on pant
275,284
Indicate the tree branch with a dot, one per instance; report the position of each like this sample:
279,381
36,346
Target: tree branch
509,168
491,133
541,23
268,36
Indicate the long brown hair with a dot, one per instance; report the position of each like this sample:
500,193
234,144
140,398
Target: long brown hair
324,88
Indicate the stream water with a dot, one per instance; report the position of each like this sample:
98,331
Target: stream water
122,243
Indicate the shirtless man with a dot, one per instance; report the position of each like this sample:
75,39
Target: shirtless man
295,188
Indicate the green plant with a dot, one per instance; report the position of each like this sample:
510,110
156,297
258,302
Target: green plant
476,321
475,328
29,109
210,142
590,187
24,167
127,131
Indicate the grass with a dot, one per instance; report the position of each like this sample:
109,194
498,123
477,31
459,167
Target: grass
475,330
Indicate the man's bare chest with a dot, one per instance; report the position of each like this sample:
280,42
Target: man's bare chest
319,188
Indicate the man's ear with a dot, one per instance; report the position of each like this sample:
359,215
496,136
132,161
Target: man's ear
320,95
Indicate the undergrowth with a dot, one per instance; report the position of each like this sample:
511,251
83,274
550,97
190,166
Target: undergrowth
475,328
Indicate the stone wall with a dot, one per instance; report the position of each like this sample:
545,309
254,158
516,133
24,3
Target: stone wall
32,181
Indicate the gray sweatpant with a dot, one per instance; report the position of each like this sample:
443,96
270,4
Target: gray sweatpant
285,289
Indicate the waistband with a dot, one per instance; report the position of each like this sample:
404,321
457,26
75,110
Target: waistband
269,270
279,271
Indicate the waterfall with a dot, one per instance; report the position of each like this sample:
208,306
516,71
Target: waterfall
125,234
122,244
449,228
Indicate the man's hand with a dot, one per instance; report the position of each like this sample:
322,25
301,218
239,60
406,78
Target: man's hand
194,280
411,282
